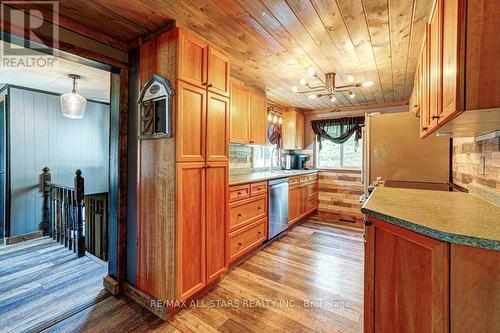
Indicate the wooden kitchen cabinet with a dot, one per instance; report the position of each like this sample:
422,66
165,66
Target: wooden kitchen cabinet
239,114
294,204
258,119
409,273
248,223
191,229
216,208
217,134
461,46
191,59
302,196
217,73
293,129
201,224
435,49
248,116
191,123
202,65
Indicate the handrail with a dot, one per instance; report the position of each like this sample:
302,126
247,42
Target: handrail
63,212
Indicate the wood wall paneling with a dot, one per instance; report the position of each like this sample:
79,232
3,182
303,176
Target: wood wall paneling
40,136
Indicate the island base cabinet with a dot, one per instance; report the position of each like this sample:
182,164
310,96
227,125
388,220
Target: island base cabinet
475,289
406,280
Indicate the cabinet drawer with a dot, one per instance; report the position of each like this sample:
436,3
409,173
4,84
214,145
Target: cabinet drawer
292,181
246,211
258,188
239,192
303,179
312,177
245,239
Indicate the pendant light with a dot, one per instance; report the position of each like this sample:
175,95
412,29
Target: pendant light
72,104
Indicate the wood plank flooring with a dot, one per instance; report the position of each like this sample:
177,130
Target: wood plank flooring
311,280
42,282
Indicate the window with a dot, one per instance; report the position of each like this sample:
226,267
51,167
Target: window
340,156
261,156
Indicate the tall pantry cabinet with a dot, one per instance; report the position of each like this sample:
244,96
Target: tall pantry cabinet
184,179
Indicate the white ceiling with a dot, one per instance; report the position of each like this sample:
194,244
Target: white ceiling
94,84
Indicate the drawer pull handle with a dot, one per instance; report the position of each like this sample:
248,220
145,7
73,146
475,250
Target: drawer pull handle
239,244
260,233
239,193
259,208
239,215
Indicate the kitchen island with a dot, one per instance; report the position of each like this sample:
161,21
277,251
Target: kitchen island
432,262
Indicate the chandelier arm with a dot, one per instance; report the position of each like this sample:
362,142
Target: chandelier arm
311,91
317,77
347,86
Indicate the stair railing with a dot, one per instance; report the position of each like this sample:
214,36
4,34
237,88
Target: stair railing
63,212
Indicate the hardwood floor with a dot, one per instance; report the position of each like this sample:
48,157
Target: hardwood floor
42,282
311,280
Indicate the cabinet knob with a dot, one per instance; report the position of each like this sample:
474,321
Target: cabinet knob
239,244
259,208
239,215
260,233
209,85
239,193
204,83
424,128
435,117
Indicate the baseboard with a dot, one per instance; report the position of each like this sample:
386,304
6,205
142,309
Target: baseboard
23,237
145,300
111,285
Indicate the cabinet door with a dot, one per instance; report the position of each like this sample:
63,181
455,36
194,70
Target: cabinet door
191,118
299,132
216,216
434,44
424,89
192,59
289,130
303,199
294,204
239,114
407,269
191,259
217,73
217,137
451,72
258,119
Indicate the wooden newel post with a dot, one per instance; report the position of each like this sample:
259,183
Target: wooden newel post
46,178
80,238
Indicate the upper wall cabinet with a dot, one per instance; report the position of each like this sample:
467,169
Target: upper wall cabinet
201,65
217,73
293,129
248,116
459,70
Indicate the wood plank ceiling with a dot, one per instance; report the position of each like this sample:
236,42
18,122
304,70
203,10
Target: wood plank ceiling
271,43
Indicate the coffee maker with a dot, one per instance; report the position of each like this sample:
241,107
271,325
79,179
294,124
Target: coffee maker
299,162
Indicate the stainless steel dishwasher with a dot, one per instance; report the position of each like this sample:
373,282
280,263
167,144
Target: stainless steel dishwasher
278,206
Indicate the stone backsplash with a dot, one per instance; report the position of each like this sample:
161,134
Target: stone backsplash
466,159
240,157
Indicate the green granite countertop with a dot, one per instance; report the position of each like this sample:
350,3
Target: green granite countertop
453,217
266,175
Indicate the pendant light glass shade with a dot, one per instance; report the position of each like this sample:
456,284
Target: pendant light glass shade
72,104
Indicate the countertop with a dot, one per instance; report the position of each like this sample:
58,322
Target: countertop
261,176
453,217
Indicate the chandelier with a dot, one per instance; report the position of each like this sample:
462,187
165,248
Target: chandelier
328,88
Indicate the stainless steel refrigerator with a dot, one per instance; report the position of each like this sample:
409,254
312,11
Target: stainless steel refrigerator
394,150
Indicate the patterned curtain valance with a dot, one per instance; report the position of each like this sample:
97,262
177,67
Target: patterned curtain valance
338,130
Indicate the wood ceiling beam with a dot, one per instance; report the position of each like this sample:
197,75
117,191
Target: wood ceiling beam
356,107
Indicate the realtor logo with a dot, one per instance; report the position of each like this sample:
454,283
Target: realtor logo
30,34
